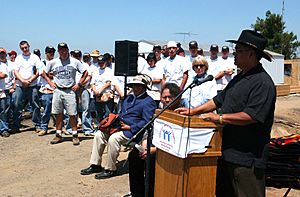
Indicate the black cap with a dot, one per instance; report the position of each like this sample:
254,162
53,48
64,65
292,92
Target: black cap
37,52
101,59
86,55
156,47
62,45
179,50
50,49
225,48
77,53
193,44
214,47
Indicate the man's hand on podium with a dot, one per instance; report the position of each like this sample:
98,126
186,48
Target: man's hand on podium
211,117
185,111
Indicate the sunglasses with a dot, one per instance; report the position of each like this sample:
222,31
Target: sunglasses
199,65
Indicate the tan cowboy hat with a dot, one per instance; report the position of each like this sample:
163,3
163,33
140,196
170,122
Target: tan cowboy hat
95,53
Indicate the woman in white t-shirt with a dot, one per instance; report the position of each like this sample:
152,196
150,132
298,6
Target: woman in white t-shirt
204,92
156,74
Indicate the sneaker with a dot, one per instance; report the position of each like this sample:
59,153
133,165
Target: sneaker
67,132
57,139
42,132
5,134
75,140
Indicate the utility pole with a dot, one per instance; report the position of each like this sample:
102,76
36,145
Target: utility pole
282,14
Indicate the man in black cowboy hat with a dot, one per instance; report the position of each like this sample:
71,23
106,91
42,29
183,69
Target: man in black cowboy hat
247,105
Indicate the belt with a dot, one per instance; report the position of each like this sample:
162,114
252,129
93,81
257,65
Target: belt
64,88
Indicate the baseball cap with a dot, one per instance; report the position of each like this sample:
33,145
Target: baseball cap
12,53
37,52
101,59
62,45
179,50
193,44
214,47
77,53
86,55
225,48
50,49
172,44
2,50
156,47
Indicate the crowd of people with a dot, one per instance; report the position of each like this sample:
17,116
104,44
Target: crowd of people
76,87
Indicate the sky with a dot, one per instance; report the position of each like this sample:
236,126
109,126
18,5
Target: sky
96,24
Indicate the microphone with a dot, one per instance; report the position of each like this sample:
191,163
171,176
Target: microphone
198,81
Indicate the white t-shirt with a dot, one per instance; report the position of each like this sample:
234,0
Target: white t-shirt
174,69
142,64
228,64
3,69
202,93
26,66
102,77
214,68
9,80
79,75
155,73
64,72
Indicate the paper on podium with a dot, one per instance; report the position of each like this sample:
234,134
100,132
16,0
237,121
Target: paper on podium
176,140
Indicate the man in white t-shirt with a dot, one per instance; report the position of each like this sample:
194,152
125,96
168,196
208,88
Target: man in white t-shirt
176,67
228,69
63,69
26,73
46,92
3,107
215,65
83,96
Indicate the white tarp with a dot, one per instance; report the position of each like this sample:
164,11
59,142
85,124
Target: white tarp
180,141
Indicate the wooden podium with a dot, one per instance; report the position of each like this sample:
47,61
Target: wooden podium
194,175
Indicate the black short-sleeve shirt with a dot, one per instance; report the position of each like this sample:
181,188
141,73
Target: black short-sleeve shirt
253,93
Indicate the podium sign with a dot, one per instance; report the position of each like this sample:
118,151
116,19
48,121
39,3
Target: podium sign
190,174
180,141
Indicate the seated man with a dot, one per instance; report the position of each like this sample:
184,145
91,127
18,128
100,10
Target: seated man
137,110
137,158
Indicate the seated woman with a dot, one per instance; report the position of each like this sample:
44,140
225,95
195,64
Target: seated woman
204,92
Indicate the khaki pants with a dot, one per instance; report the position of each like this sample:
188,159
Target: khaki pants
113,143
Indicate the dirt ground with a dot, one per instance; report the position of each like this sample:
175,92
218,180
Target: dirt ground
31,166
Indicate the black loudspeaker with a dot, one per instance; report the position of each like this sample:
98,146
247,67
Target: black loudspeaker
126,56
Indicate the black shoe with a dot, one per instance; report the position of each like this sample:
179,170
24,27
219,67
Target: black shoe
5,134
128,195
106,174
92,169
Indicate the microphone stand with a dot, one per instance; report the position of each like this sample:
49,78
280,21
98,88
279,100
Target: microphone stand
149,139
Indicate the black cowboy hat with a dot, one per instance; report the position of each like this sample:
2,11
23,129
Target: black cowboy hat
253,40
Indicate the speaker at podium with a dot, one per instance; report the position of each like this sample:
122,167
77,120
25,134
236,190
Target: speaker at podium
126,56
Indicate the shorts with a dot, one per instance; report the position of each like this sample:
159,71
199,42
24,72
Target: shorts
64,99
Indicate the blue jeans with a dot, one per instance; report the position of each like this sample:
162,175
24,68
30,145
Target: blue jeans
86,120
46,103
103,109
21,93
3,116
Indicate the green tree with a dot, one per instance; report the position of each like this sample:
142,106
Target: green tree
279,41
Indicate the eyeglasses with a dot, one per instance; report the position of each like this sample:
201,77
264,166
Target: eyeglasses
165,97
199,65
